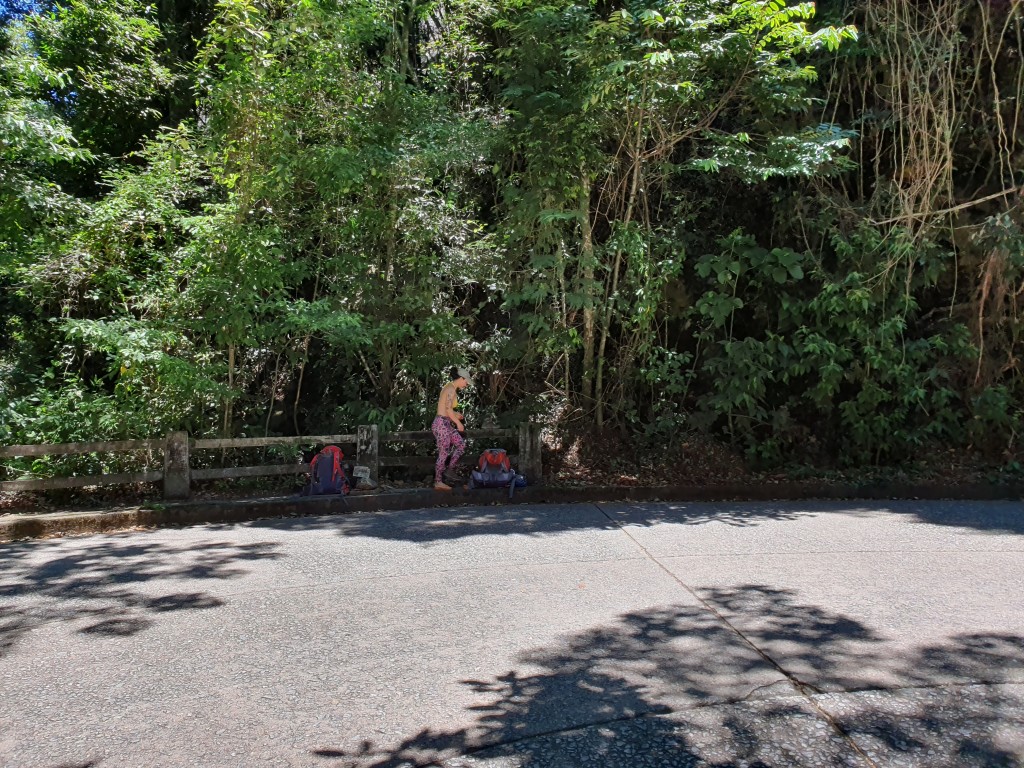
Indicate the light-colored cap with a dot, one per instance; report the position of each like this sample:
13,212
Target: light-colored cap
464,373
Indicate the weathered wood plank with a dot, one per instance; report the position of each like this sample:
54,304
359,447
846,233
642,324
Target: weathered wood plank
424,461
68,449
490,434
53,483
407,461
222,473
406,437
428,436
262,442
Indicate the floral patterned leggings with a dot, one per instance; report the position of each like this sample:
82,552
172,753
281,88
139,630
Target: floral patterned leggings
450,445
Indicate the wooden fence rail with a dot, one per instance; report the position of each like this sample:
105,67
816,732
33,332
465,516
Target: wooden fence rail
177,474
69,449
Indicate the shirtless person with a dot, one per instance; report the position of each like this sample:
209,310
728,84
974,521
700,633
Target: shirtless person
448,427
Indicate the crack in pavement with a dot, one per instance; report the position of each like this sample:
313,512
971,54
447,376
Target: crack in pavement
805,689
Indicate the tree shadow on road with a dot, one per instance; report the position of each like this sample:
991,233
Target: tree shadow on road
995,517
102,586
731,514
677,687
450,524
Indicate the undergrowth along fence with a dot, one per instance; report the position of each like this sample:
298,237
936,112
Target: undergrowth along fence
177,448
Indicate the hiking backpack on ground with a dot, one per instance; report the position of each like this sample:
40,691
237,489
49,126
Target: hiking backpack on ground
326,474
494,470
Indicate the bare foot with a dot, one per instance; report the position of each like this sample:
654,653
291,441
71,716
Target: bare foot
442,487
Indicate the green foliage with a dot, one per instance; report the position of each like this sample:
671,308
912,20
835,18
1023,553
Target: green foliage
787,351
34,139
997,417
108,55
648,214
608,110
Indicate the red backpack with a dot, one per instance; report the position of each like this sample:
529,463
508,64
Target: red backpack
494,470
494,459
326,475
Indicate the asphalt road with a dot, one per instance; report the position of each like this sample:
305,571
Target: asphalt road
810,634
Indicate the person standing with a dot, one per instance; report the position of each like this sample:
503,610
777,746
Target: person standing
448,427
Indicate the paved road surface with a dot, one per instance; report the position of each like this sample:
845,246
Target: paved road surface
810,634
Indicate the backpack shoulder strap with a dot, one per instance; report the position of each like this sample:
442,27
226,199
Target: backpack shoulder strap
336,456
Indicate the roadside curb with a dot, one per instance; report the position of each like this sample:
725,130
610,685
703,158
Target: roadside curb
28,526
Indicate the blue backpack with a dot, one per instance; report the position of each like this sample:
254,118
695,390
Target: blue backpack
326,474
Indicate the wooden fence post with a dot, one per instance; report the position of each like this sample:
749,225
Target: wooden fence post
177,472
529,452
368,449
537,446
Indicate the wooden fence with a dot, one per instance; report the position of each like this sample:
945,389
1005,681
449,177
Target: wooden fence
177,449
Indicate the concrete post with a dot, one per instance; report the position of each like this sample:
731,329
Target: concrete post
536,445
368,449
177,472
529,452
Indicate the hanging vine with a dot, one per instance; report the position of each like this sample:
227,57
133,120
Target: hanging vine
938,97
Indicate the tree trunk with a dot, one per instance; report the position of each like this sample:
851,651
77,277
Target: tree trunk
589,309
408,70
617,265
273,393
298,387
231,385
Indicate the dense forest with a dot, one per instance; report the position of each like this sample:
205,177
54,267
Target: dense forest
794,229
